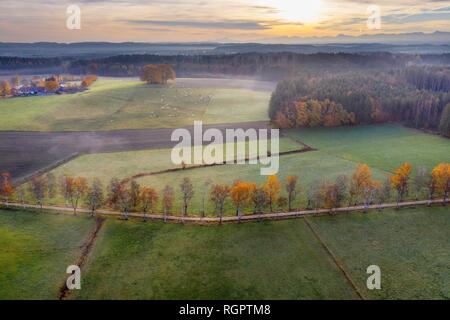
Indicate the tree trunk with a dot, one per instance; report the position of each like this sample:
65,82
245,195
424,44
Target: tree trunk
203,207
239,214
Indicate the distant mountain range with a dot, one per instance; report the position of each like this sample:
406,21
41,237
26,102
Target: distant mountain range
437,37
436,42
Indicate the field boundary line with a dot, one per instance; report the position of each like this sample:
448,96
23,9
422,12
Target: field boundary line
202,166
86,250
287,135
19,181
335,259
234,219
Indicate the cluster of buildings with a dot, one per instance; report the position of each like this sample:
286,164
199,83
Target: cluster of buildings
41,86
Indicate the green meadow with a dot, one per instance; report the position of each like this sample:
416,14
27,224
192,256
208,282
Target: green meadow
261,260
36,250
411,247
112,104
340,150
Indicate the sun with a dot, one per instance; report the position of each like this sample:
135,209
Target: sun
303,11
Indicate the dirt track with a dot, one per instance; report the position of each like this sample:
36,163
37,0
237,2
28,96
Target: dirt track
22,153
244,218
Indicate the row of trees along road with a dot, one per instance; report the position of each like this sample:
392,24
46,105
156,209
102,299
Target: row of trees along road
360,187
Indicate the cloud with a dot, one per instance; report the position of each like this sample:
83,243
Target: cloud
419,17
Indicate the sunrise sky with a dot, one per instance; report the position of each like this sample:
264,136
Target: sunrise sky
213,20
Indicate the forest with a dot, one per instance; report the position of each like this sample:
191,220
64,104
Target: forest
416,96
268,66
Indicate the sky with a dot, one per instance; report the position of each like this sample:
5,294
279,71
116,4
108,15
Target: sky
214,20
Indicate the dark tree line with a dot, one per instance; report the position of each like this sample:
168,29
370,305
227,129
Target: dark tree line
272,66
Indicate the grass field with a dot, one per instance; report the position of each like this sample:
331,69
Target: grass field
383,147
252,261
125,104
267,260
36,250
411,246
127,164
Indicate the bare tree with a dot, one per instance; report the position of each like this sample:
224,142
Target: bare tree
420,181
385,192
369,193
21,195
314,195
431,187
124,201
206,185
38,188
51,183
187,190
64,189
113,192
148,200
167,200
95,196
135,192
342,187
291,189
259,200
219,193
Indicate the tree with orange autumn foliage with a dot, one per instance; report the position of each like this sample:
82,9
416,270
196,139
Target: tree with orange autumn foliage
441,178
5,88
157,73
241,193
361,181
329,192
51,85
77,189
272,189
6,188
282,121
88,80
400,181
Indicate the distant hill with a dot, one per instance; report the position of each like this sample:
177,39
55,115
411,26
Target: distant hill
437,42
413,38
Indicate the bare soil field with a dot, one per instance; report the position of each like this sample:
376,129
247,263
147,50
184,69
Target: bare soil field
22,153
